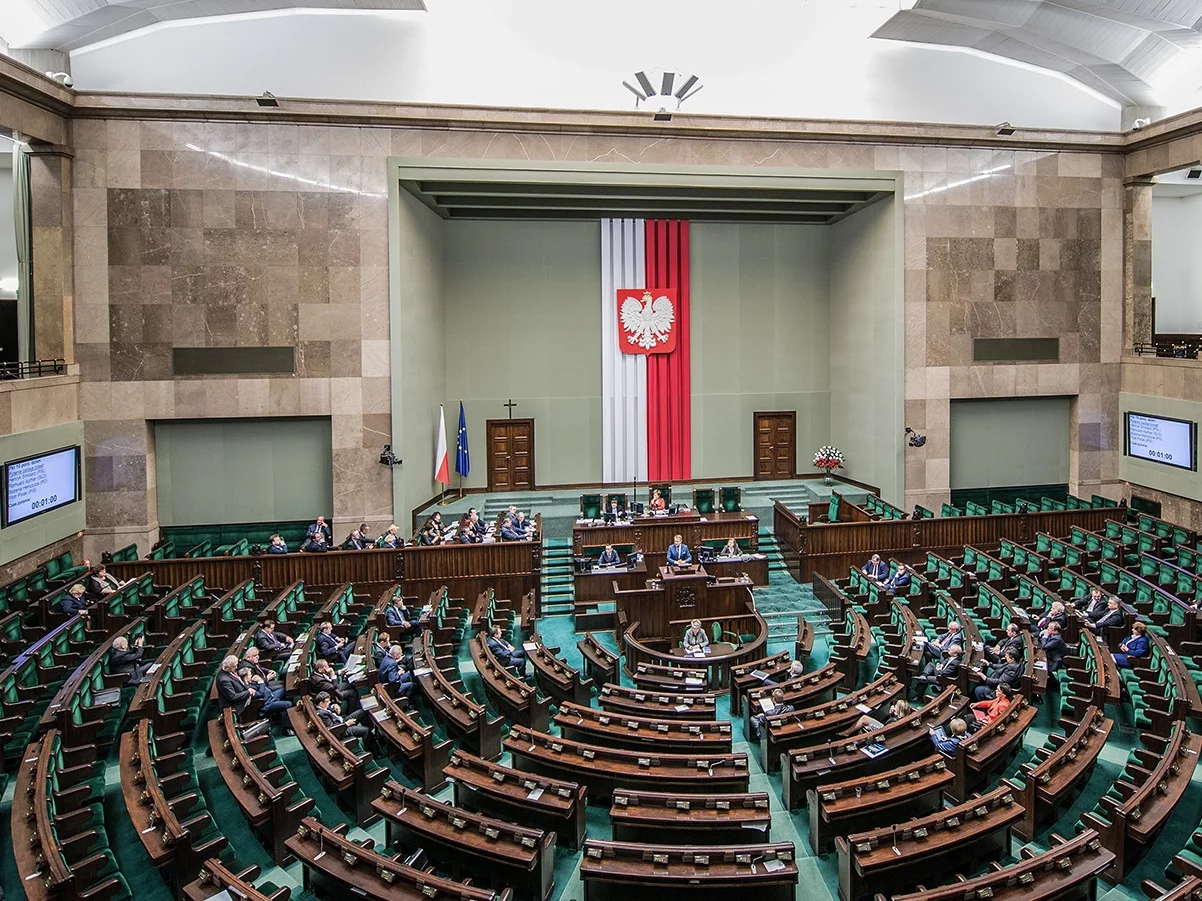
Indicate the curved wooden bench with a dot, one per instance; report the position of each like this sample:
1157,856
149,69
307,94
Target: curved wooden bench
358,870
555,677
215,877
500,791
351,771
642,734
463,717
688,819
603,769
803,692
409,737
500,853
510,695
600,663
635,702
745,676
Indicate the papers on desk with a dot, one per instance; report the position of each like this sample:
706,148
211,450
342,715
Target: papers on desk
978,646
529,645
771,866
152,669
369,702
693,681
1041,664
759,674
222,895
380,714
874,750
422,671
766,705
534,795
106,696
354,662
863,708
681,708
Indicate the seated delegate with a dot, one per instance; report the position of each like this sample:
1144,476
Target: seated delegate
609,557
509,656
778,705
1135,645
679,553
731,549
656,501
947,740
899,709
695,638
899,580
277,546
1008,671
876,569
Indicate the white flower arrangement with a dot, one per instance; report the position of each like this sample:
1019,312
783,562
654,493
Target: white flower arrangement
828,458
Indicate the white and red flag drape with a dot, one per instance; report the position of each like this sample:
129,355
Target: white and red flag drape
645,414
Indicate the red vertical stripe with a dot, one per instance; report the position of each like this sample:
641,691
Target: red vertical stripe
669,417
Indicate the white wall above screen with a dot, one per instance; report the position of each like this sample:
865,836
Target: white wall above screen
794,58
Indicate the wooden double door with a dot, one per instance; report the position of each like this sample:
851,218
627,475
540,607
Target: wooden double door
510,454
775,445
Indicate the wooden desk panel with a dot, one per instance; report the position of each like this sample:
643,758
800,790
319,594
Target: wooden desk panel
598,585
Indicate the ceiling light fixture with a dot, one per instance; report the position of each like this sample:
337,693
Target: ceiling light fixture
267,99
664,90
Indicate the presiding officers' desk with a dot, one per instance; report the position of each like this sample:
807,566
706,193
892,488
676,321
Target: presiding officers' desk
651,534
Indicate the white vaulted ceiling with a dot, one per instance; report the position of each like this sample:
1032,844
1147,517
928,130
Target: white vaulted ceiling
72,24
1120,48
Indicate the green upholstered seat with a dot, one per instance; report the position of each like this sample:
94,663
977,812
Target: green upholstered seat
731,499
703,500
590,506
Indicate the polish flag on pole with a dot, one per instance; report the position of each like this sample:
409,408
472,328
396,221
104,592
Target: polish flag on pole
442,466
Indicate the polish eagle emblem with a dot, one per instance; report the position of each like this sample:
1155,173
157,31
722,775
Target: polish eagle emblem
646,323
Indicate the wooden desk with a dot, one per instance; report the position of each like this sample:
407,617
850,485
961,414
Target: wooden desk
713,819
612,870
652,534
597,585
677,597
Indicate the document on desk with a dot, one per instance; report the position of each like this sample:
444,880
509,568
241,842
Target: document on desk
772,866
766,705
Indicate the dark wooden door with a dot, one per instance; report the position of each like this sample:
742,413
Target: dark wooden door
510,454
775,445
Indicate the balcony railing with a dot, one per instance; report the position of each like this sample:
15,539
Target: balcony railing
32,369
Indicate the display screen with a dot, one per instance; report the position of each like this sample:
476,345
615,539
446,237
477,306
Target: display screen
39,484
1159,439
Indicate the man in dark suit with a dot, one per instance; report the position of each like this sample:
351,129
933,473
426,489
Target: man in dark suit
380,648
396,617
876,569
509,530
1113,616
323,678
392,674
276,646
1009,671
331,715
355,542
1056,614
509,656
467,535
277,546
330,646
937,672
679,553
231,690
1054,647
761,719
273,707
320,527
1013,639
316,544
1096,608
609,557
270,677
899,580
127,661
935,650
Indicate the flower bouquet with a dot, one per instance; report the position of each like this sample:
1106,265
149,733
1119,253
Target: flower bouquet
828,458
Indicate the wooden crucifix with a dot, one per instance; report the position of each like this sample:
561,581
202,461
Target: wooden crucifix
510,405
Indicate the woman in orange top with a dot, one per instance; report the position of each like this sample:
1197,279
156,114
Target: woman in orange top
656,502
985,712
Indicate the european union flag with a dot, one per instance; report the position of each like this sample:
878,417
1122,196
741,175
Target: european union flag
463,463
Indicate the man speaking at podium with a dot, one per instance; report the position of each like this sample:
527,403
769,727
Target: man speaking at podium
678,553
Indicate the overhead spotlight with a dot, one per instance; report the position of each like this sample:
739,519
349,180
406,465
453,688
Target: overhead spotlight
916,440
388,458
1194,173
63,78
1005,129
267,99
663,89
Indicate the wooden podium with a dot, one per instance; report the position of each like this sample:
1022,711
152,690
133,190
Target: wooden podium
668,603
685,590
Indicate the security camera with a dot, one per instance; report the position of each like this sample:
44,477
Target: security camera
388,458
916,440
62,77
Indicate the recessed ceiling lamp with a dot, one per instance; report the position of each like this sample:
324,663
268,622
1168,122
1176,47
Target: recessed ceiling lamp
664,90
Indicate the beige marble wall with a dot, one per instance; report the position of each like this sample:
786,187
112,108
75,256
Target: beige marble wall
213,233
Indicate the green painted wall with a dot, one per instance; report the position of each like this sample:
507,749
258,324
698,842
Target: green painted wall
522,320
759,298
1181,482
46,528
866,348
243,470
1009,441
416,326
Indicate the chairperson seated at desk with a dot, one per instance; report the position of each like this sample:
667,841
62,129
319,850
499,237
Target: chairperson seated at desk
609,557
679,553
731,549
695,638
656,501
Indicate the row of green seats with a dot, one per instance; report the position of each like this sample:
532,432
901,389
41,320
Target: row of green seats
239,548
949,510
176,695
28,684
1174,534
1033,597
883,509
1148,599
942,571
1183,583
1156,678
163,551
1057,550
972,508
290,607
184,603
982,565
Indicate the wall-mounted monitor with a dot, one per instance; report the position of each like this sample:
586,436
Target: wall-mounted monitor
1161,439
39,484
